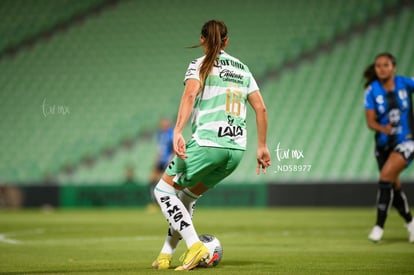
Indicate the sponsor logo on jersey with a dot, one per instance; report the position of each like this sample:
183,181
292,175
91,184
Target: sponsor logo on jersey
228,75
230,130
229,62
190,72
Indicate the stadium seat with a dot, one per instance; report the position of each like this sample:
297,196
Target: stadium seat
118,73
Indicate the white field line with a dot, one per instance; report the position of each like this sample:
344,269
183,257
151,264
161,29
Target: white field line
72,241
5,238
35,231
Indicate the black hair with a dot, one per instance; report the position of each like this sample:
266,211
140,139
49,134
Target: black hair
369,72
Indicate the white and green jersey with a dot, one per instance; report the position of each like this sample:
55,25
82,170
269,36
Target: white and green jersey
219,113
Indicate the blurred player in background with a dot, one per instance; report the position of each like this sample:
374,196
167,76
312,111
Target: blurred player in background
165,152
217,88
388,111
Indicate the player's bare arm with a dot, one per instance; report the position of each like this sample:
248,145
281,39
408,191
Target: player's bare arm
263,156
192,87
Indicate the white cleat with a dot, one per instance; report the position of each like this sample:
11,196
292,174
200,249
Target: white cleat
410,229
376,234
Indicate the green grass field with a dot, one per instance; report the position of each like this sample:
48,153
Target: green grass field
255,241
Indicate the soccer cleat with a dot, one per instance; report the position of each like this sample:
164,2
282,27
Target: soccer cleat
163,261
195,254
376,234
410,229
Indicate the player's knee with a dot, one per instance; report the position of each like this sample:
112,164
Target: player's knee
387,175
386,185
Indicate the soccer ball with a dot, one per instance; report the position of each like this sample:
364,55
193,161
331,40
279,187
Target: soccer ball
215,249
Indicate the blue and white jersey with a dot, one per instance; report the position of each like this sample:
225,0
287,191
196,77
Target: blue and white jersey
165,140
392,107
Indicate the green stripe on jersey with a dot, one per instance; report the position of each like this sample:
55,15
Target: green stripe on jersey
220,110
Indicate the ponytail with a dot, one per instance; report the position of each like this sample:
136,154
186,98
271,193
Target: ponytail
215,33
370,75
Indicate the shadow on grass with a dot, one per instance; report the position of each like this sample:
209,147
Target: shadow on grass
66,271
245,263
392,240
135,271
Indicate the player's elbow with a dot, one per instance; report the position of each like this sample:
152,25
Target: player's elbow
261,111
371,124
190,97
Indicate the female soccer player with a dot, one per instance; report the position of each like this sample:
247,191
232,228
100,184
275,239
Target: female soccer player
217,87
388,111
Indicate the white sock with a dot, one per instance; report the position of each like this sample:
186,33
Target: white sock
171,241
173,238
175,212
189,199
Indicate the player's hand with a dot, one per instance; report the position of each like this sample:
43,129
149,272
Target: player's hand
179,145
263,159
387,129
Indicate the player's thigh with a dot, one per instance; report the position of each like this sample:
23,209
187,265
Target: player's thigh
398,160
394,165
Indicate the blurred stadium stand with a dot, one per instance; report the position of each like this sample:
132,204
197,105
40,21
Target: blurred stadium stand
80,102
